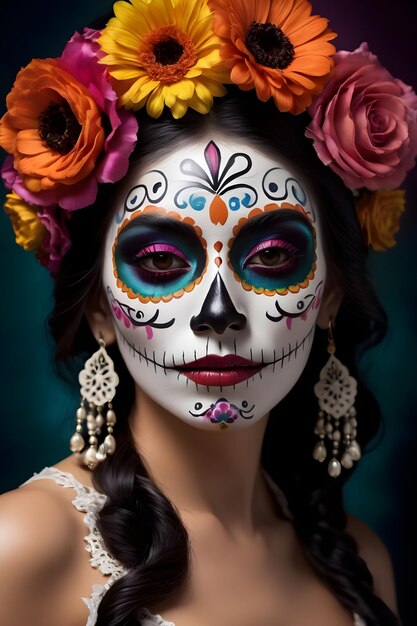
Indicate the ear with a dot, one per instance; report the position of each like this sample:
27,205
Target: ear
331,301
100,319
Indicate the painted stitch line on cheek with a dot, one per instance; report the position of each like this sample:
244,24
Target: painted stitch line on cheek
178,365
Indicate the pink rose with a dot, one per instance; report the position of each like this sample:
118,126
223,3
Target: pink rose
364,123
56,241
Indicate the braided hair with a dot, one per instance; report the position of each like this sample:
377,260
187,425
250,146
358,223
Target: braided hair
139,525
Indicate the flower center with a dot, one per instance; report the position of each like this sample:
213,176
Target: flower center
168,51
167,54
59,128
269,45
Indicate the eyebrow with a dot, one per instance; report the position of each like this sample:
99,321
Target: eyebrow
156,220
273,218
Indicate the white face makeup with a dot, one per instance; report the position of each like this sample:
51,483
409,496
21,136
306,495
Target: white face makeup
214,268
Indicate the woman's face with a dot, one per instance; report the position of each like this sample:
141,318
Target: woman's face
214,269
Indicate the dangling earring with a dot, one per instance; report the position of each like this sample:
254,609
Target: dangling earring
98,382
336,392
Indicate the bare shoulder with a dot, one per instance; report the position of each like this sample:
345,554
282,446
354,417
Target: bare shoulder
374,552
27,517
37,538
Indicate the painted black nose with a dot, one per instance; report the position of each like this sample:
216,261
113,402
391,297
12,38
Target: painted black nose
218,311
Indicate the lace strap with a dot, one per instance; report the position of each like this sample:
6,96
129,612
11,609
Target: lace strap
149,619
90,502
85,495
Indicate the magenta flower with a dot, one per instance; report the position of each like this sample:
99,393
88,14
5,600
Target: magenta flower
80,57
364,123
222,412
56,241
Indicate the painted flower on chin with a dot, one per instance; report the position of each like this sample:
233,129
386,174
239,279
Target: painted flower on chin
222,412
164,52
275,47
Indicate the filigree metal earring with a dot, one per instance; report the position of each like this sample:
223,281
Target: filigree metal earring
98,382
336,426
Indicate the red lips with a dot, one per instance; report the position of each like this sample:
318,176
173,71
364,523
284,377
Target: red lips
220,371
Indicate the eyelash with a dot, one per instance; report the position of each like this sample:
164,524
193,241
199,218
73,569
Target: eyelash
286,247
155,274
158,248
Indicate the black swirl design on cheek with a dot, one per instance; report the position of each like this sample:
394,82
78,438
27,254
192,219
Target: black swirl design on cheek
311,300
291,190
135,317
153,190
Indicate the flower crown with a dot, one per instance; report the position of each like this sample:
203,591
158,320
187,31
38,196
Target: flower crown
69,124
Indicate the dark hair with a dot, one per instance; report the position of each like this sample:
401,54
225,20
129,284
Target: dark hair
140,527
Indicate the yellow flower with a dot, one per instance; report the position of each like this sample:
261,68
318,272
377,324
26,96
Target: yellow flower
379,214
26,225
164,52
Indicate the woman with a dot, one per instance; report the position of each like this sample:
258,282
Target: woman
227,236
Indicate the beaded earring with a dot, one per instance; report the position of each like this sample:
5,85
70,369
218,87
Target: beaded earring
336,426
98,382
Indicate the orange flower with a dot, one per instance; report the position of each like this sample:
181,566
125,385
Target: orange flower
52,128
379,214
276,47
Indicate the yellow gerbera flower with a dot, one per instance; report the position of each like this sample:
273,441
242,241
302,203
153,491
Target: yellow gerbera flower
164,52
26,225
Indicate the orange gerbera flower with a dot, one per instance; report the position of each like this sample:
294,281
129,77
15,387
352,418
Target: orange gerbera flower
276,47
52,127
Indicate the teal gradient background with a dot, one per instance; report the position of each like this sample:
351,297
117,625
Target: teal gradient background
37,408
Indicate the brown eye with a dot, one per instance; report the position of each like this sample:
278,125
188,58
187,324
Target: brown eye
270,257
162,261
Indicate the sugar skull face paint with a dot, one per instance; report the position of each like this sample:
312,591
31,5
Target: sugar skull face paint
214,269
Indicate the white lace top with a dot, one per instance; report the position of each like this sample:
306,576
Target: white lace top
90,502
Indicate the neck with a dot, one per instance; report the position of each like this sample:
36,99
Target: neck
204,473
